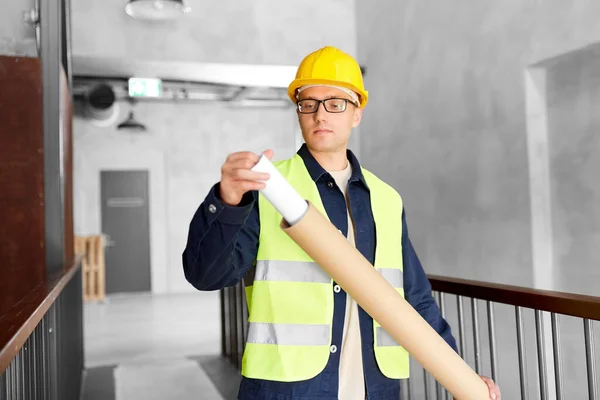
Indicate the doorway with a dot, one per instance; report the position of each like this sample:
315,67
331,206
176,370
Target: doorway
126,224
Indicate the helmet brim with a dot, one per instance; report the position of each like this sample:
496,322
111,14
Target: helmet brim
363,95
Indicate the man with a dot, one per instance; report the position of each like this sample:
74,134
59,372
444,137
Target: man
307,339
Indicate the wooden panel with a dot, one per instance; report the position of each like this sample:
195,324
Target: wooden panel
22,254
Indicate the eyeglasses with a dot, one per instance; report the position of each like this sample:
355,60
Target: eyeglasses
332,105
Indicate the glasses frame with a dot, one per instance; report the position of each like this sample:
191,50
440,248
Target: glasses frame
324,101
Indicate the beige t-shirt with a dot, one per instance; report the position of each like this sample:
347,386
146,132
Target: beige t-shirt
351,376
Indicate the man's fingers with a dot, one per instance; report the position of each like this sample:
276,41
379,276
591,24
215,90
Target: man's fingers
497,392
242,163
269,154
247,175
251,185
242,155
493,388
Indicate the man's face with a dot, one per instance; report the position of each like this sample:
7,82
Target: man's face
324,131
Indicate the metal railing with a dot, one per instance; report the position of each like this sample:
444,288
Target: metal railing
512,315
548,307
43,357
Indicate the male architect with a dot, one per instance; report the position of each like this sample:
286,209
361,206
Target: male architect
307,339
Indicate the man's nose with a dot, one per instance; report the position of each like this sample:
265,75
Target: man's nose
321,114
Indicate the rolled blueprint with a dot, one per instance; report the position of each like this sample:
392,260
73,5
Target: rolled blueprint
348,267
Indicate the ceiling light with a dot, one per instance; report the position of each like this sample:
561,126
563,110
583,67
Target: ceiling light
156,10
132,124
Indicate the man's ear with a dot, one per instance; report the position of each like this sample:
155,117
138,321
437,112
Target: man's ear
357,117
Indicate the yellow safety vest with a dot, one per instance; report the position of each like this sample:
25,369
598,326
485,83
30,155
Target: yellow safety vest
290,298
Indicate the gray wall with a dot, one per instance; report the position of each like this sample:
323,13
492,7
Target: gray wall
259,32
16,37
451,119
573,97
573,101
187,143
446,121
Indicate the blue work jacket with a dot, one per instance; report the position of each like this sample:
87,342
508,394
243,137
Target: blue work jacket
222,246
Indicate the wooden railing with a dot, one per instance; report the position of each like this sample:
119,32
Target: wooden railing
479,345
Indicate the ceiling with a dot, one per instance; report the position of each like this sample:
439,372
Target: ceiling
237,84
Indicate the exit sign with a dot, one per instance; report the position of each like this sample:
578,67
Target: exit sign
145,87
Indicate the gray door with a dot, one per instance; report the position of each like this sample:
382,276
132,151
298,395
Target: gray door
125,221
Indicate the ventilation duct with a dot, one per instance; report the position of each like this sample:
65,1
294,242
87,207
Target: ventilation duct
234,84
101,106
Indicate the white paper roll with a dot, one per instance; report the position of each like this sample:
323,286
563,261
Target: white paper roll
280,193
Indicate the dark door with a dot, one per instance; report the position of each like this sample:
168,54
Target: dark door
125,221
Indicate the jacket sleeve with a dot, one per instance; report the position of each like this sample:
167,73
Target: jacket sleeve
222,242
417,289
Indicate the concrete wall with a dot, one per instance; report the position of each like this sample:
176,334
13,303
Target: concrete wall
187,143
573,101
459,95
262,32
573,98
446,121
16,37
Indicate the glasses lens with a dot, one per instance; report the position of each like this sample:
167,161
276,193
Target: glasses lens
308,106
335,105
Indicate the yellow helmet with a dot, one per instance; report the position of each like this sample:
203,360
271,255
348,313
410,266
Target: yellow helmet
329,66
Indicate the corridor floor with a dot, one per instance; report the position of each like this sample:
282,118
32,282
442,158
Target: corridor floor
153,347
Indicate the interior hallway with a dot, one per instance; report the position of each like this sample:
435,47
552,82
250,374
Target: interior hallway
142,346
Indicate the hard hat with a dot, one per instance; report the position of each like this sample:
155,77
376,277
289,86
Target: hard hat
329,66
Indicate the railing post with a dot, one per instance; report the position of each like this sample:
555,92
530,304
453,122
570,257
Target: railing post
443,311
520,347
557,357
475,316
438,387
404,389
426,383
492,334
223,325
588,331
539,329
461,328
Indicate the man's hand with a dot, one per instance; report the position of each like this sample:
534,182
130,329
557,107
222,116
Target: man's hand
494,389
237,177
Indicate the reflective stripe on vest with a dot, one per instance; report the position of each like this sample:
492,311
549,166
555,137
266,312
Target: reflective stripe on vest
290,271
383,338
394,276
288,334
291,299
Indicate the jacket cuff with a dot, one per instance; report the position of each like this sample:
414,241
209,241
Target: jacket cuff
232,215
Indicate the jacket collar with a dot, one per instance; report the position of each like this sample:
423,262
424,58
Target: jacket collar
317,172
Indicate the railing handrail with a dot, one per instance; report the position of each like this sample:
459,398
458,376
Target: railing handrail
19,322
576,305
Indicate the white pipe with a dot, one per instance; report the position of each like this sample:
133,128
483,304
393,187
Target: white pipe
280,193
